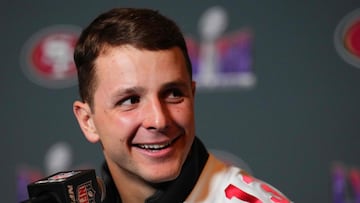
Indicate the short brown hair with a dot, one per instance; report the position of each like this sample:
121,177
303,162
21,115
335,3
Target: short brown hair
141,28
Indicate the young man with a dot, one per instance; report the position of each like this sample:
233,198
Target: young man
135,82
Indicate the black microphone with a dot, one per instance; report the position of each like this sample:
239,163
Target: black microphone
77,186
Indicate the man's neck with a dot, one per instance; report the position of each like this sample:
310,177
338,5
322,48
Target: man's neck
131,189
141,191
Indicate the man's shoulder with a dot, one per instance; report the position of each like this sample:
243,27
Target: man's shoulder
220,182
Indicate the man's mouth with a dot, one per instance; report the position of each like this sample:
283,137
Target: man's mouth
155,146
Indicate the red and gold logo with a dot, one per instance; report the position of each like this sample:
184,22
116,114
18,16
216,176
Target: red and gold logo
347,38
47,57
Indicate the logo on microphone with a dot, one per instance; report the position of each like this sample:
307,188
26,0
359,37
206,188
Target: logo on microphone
86,193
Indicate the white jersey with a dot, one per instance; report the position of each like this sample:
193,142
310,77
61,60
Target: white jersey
221,183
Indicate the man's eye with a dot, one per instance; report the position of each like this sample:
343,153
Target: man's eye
175,95
129,101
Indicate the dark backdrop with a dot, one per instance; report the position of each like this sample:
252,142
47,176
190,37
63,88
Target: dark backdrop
300,117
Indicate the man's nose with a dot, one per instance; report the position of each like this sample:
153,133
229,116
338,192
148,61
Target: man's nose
156,115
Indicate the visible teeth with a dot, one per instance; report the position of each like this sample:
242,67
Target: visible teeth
154,146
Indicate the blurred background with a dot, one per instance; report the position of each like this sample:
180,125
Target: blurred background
278,90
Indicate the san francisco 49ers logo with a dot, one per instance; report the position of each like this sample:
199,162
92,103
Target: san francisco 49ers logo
47,57
347,38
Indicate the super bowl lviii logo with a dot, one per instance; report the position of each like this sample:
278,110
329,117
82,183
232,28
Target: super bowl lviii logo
347,38
47,56
220,59
345,183
59,156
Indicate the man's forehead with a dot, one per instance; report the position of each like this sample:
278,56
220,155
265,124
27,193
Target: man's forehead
107,48
128,57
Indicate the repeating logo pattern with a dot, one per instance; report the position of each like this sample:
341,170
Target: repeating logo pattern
347,38
47,57
58,157
219,59
345,183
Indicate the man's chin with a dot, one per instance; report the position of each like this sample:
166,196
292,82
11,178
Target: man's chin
161,176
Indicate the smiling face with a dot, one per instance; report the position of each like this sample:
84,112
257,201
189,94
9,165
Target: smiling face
143,112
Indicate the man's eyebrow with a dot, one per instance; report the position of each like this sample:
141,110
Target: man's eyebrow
128,91
140,90
177,83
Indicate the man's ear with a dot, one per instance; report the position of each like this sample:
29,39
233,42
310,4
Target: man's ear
83,115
